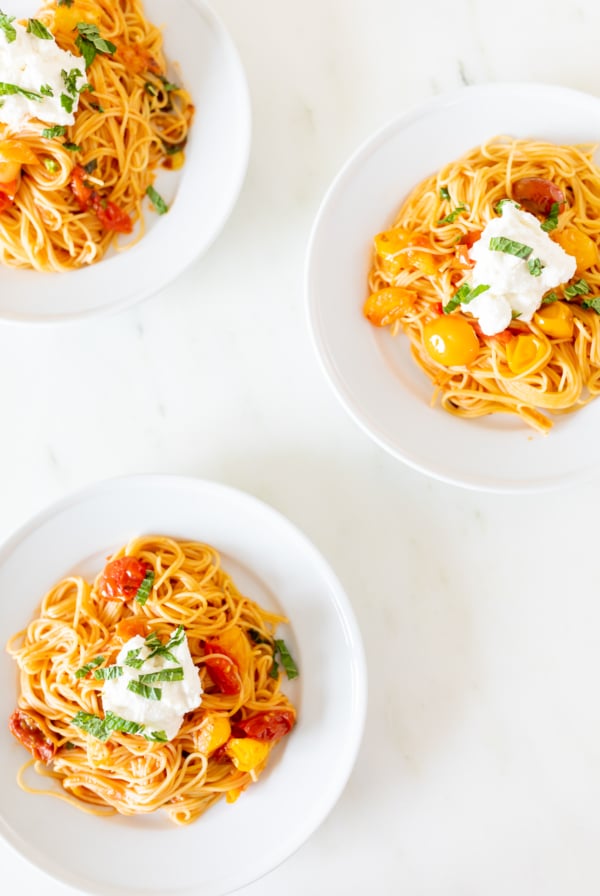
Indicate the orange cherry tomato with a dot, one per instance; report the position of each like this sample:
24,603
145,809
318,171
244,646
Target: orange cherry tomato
122,578
81,190
577,243
555,320
538,195
28,732
5,202
451,340
130,627
222,668
462,249
526,353
266,726
388,305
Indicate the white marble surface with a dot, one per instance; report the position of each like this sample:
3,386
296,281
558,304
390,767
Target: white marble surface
480,766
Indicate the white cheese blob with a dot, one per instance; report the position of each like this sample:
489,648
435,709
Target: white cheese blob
30,62
513,289
177,697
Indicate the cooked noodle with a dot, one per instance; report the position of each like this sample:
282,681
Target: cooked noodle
566,375
128,773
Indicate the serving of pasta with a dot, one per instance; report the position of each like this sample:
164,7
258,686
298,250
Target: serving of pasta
157,685
89,114
491,269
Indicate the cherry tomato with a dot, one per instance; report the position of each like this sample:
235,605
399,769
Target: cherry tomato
130,627
462,250
451,341
526,353
388,305
81,190
5,202
538,195
577,243
111,216
223,669
555,320
28,732
266,726
122,578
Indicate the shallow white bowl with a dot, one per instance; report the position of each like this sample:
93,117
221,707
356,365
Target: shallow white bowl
201,196
272,562
372,373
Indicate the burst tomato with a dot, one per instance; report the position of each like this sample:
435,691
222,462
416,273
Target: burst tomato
266,726
28,732
222,668
111,217
122,578
538,195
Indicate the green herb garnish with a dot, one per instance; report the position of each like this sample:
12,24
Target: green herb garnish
158,736
103,728
91,166
150,88
291,669
90,43
68,3
51,165
498,208
551,221
510,247
464,295
157,648
168,85
108,673
144,690
451,218
594,304
172,674
38,29
46,90
72,147
157,201
549,298
70,80
66,102
11,89
444,194
96,107
9,29
535,266
581,288
133,659
58,130
97,661
143,592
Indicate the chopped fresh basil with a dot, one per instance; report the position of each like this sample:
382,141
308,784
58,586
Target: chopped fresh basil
38,29
66,102
172,148
72,147
258,638
463,296
96,107
144,690
91,166
581,288
515,315
157,201
57,130
444,194
90,43
594,304
291,669
108,672
12,89
168,85
498,208
150,88
510,247
103,728
172,674
70,80
535,266
143,592
157,648
133,659
9,29
65,3
46,90
158,736
51,165
549,298
551,221
97,661
451,218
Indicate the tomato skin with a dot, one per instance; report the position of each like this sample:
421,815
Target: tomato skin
450,340
266,726
223,669
82,192
5,202
111,217
130,627
122,578
538,195
27,731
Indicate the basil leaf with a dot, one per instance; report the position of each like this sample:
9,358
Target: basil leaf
535,266
552,220
510,247
133,659
38,29
498,208
172,674
96,107
157,201
91,166
177,637
70,80
68,3
143,592
116,723
258,638
46,90
51,165
90,43
464,295
58,130
144,690
94,725
72,147
108,672
158,736
150,88
87,50
12,89
97,661
291,669
444,194
66,102
581,288
594,304
549,298
6,25
168,85
451,218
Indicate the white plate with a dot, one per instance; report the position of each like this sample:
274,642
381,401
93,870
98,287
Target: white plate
371,372
231,845
201,196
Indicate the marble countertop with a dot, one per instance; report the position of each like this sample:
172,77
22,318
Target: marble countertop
479,771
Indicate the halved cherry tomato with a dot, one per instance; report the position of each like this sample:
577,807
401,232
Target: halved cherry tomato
130,627
538,195
527,353
29,733
81,190
388,305
577,243
398,248
555,320
462,249
122,578
111,216
451,341
247,753
222,668
266,726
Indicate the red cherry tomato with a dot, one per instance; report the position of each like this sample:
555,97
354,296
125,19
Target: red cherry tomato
266,726
122,578
538,195
223,669
82,191
28,732
111,216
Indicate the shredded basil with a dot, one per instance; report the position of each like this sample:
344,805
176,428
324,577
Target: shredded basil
68,3
90,43
510,247
103,728
258,638
66,102
91,166
38,29
58,130
46,90
549,298
444,194
133,659
551,221
291,669
143,592
451,218
464,295
157,648
11,89
535,266
96,107
581,288
499,207
144,690
108,673
150,88
51,165
594,304
9,29
158,736
72,147
172,674
168,85
157,201
97,661
70,80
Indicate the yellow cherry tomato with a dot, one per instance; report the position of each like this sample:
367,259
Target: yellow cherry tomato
555,320
527,353
246,753
398,249
388,305
451,340
212,733
67,17
580,245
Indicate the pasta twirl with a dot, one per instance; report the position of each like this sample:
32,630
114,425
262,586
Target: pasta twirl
420,282
161,592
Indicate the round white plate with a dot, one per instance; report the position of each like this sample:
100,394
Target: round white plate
371,372
201,196
231,845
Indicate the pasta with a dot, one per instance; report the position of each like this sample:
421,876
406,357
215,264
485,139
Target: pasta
422,282
67,192
161,594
